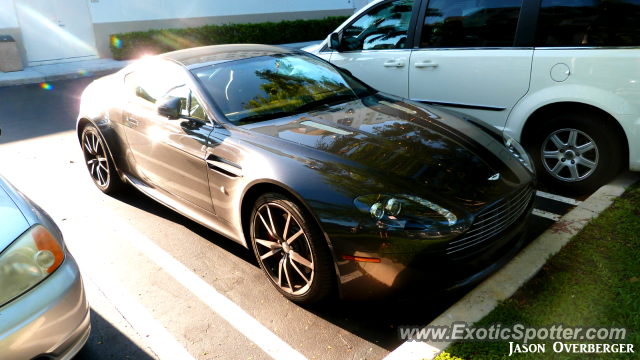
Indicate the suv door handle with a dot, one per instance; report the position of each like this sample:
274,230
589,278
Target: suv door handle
393,63
131,122
426,64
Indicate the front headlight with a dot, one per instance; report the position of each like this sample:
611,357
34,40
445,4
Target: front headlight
409,212
27,261
518,151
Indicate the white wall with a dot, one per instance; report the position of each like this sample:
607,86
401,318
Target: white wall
8,18
105,11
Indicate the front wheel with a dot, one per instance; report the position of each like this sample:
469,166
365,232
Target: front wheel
291,249
576,153
99,163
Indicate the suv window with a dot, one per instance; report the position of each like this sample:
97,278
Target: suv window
383,27
588,23
469,24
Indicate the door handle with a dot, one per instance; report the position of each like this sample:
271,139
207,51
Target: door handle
224,166
426,64
131,122
393,63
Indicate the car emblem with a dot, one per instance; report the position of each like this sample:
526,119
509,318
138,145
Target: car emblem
495,177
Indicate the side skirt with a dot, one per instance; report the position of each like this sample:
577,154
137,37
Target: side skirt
201,216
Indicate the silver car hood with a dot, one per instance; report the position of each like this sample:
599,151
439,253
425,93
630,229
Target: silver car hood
13,223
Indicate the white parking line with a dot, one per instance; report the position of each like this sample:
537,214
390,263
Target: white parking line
232,313
558,198
546,214
161,342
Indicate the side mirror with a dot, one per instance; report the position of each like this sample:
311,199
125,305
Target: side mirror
334,41
169,107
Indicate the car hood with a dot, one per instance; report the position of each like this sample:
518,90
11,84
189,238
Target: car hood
402,142
13,221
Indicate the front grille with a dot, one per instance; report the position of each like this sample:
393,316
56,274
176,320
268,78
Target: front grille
494,220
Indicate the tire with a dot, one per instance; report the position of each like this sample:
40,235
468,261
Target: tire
99,162
564,161
287,266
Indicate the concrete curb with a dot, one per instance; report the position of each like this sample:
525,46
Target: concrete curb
503,284
46,73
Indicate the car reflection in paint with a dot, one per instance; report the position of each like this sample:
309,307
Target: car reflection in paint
333,185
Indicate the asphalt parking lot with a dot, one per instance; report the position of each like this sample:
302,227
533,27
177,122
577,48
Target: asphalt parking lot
138,260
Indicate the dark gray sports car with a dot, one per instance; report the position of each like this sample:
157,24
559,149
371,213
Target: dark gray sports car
333,184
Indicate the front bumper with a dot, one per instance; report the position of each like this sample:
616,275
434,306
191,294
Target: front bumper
427,274
50,321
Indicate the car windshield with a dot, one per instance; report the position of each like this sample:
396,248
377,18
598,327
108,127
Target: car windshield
272,86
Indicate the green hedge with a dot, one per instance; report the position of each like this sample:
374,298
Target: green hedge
135,44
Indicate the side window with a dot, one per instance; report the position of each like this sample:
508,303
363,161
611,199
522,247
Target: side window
182,92
196,109
383,27
153,82
588,23
470,23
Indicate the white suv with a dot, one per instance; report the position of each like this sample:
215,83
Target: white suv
561,76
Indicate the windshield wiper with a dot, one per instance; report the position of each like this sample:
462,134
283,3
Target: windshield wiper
267,116
329,100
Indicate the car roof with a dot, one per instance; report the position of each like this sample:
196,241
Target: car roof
208,55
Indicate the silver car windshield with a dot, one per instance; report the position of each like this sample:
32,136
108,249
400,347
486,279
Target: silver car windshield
268,87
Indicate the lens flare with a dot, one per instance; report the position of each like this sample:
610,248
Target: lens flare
46,86
117,43
83,72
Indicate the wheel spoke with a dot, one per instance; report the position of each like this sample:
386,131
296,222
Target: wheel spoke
92,171
557,142
556,169
274,251
550,154
573,138
300,259
280,266
90,162
103,167
588,163
100,179
286,273
88,146
298,270
273,228
102,159
265,224
270,244
574,171
295,236
286,227
95,144
586,147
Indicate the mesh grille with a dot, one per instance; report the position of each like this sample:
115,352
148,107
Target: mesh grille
494,220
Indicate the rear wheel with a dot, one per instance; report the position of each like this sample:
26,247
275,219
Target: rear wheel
99,163
291,249
576,153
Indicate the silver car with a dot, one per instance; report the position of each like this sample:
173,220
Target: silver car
44,313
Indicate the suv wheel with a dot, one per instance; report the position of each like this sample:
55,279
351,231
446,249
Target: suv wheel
576,153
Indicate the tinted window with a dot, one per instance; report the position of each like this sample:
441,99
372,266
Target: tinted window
589,23
196,110
383,27
470,23
153,82
267,87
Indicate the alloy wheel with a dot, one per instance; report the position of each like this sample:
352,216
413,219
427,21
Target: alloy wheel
569,155
283,249
96,158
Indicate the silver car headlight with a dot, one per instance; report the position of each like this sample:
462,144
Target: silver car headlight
518,151
31,258
409,212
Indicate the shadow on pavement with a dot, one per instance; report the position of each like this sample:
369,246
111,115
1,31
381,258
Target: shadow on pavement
135,198
30,111
107,342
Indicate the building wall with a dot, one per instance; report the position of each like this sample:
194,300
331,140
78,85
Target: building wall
9,26
116,16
